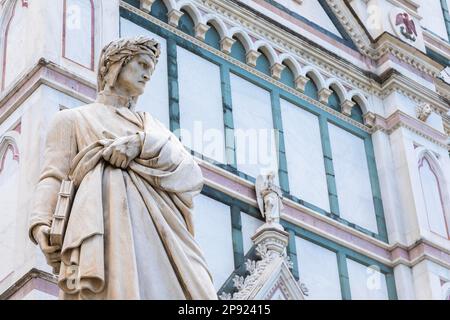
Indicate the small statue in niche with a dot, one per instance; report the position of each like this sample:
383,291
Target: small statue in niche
269,197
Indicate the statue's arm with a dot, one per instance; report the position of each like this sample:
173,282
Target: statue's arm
60,149
178,171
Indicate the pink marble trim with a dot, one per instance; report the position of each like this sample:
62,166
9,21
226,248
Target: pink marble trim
36,284
424,249
390,57
436,43
39,74
399,117
299,215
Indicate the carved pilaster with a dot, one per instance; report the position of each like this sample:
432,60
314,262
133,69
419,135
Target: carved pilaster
174,16
324,94
251,57
369,119
146,5
200,31
226,44
347,106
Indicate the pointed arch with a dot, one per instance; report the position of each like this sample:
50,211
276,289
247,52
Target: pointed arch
9,142
9,13
435,193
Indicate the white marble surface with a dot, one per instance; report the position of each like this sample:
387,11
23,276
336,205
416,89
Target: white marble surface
306,168
249,226
366,283
313,11
8,209
433,17
255,140
17,40
78,45
155,99
352,178
201,109
318,270
212,221
433,200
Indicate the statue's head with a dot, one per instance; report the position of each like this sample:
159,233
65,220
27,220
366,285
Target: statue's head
126,65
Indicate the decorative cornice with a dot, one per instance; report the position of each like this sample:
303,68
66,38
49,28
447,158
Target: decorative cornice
29,276
400,119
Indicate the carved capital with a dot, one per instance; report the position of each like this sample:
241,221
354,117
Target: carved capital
347,106
272,236
251,57
324,94
200,31
146,5
174,16
300,83
369,119
276,70
226,44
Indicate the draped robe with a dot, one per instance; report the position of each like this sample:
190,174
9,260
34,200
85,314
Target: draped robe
130,234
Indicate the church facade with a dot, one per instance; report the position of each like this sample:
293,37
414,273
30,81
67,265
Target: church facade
347,102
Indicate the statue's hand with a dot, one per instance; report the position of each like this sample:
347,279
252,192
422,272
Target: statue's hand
52,254
123,150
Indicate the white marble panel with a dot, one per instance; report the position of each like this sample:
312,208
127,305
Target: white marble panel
9,175
212,221
307,179
78,32
201,107
352,178
313,11
256,150
366,283
318,270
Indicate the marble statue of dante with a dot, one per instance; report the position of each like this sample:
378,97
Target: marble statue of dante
130,234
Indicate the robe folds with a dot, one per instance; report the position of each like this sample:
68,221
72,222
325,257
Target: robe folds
130,234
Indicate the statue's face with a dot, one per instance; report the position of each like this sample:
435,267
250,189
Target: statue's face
134,75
